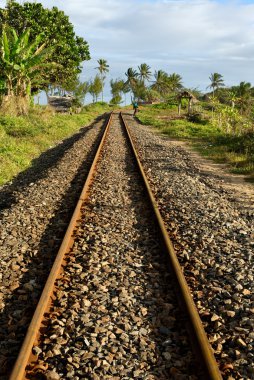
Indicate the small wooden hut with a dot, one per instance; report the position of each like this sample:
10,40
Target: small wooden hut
186,95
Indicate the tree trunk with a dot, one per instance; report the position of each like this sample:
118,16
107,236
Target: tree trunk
190,105
9,87
179,107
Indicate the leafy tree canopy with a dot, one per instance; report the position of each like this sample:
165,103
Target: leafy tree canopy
117,86
95,88
69,50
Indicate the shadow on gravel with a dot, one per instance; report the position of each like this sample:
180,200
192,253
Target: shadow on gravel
19,308
39,167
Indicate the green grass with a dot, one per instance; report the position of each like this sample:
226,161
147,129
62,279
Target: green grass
211,142
24,138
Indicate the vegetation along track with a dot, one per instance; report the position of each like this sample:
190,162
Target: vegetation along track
113,311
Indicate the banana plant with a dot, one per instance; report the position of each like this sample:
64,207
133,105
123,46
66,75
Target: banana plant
23,61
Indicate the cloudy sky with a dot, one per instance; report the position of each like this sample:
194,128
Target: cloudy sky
193,38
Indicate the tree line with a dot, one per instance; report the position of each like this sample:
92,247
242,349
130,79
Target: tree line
39,50
138,83
232,107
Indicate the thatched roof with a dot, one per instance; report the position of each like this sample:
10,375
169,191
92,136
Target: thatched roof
187,95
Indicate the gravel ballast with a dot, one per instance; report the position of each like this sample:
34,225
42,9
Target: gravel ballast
116,314
213,236
35,211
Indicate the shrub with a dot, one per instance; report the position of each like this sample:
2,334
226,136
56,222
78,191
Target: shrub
18,126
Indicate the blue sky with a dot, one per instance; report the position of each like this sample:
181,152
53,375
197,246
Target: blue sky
193,38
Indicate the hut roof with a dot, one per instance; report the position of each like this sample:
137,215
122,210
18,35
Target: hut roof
188,95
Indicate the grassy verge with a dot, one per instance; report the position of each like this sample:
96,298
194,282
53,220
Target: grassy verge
25,137
211,142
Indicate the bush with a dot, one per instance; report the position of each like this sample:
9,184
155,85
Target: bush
243,144
197,118
18,126
164,106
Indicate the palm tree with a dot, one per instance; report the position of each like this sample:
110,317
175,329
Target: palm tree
244,88
216,81
243,92
131,81
175,82
160,84
103,69
139,90
144,72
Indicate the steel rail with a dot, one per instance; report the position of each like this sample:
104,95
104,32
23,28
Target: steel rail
202,344
18,372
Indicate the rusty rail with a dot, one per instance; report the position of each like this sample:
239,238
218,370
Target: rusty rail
18,372
202,344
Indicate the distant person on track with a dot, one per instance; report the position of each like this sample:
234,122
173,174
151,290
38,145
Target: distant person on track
135,107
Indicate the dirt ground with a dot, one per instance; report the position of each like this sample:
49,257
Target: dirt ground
242,191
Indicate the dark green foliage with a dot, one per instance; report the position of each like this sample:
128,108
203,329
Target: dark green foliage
144,72
69,50
95,88
117,89
243,144
132,78
197,118
167,85
116,100
22,61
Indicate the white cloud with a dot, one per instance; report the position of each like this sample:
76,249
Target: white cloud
191,37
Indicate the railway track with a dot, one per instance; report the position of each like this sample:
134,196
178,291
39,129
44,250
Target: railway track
109,310
35,210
